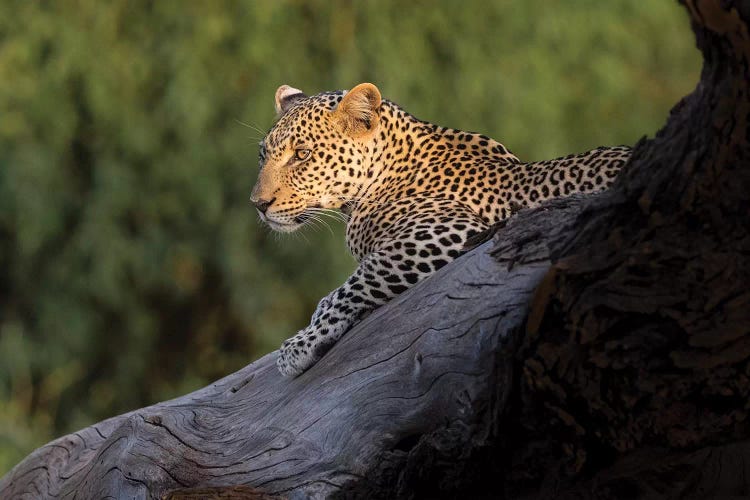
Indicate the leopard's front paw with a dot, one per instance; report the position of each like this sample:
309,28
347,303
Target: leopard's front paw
300,352
291,360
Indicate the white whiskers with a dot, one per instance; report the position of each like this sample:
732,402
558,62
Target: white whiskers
254,128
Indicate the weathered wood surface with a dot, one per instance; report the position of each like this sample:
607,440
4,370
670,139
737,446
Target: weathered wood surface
420,376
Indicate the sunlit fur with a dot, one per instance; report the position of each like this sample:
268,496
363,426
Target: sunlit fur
329,177
414,192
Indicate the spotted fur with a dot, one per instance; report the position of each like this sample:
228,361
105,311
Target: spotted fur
414,193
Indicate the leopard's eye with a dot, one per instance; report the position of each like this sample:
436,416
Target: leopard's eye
302,154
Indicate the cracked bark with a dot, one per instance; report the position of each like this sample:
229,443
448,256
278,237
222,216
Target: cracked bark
597,347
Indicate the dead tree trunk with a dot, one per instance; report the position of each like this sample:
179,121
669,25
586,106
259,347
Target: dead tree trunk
635,369
598,347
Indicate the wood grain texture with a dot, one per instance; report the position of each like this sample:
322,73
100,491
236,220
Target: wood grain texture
426,375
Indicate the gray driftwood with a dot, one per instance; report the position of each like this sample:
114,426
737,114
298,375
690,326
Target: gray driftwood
429,370
597,348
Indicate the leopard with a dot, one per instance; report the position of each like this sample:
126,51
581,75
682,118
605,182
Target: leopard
412,192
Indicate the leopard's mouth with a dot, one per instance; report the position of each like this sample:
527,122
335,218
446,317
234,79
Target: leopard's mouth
281,227
306,214
288,226
303,217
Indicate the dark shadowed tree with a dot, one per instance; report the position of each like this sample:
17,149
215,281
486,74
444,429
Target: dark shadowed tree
596,347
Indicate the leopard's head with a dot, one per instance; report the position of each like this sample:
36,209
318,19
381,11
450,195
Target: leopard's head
316,155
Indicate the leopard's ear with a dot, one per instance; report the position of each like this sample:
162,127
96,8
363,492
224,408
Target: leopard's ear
285,97
358,113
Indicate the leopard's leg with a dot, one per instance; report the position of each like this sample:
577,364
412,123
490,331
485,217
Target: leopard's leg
381,275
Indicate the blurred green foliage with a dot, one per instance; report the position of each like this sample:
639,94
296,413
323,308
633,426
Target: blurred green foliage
132,268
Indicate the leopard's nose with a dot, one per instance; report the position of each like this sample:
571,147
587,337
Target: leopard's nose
262,205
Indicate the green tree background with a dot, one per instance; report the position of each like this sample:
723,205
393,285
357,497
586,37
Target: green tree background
132,267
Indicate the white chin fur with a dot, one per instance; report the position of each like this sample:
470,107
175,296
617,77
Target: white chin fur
283,228
277,226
